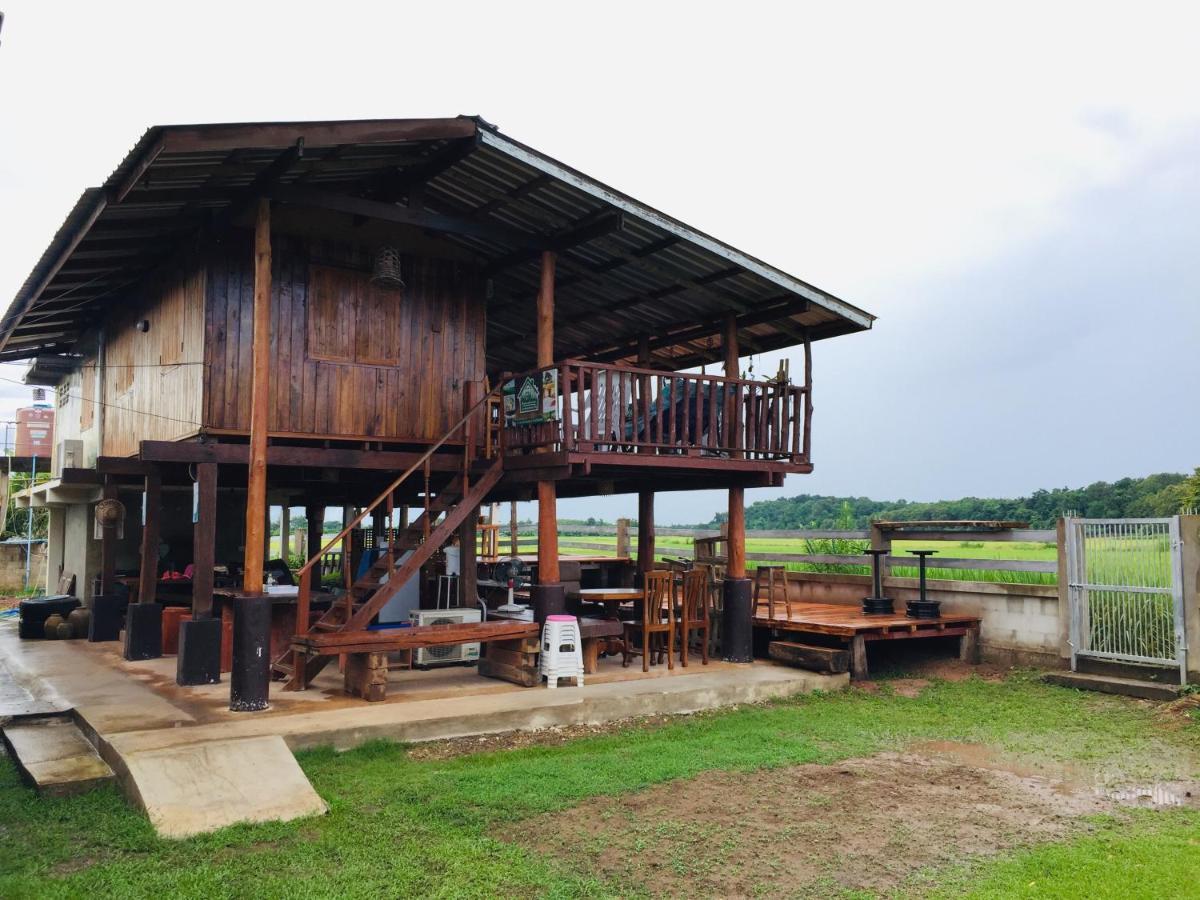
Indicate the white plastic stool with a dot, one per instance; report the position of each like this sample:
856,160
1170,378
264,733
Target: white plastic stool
562,654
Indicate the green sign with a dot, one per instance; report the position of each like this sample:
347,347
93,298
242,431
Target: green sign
531,399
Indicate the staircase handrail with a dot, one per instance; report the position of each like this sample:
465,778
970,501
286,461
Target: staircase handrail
304,573
395,484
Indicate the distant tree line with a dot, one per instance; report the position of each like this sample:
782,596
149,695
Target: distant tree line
1155,495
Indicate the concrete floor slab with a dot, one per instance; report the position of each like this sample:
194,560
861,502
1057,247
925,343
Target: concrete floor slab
142,724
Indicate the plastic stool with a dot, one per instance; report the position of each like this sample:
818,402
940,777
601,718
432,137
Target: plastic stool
562,654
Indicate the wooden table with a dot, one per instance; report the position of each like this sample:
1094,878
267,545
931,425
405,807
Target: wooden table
612,597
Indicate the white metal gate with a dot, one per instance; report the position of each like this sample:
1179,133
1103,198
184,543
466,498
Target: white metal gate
1125,586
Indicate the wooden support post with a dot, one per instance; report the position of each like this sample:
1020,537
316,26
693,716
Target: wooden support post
347,572
547,534
733,397
468,574
730,341
285,529
152,504
204,537
548,571
858,657
256,489
513,526
645,531
545,312
316,526
623,538
108,545
379,525
736,567
968,647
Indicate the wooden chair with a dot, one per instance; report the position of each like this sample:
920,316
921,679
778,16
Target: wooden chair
773,581
658,601
716,604
694,614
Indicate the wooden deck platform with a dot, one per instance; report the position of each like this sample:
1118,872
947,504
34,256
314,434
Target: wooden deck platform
850,625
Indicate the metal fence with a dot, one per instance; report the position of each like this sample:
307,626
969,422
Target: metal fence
1125,590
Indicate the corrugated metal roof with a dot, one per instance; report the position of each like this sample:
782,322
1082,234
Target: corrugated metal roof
624,270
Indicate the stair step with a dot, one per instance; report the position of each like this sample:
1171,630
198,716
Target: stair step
1110,684
55,757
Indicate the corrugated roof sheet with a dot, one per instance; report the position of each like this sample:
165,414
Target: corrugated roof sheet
638,273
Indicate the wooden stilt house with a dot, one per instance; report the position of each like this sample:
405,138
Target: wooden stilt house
381,315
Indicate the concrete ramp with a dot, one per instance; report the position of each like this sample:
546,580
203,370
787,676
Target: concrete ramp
53,755
201,787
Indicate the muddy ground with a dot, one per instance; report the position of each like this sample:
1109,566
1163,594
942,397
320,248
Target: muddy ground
866,824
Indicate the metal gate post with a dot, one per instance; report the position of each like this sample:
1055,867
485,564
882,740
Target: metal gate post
1177,597
1070,533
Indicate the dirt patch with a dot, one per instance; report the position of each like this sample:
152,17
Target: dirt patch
865,824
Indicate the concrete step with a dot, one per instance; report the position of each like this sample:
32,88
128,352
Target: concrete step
54,756
1135,671
1111,684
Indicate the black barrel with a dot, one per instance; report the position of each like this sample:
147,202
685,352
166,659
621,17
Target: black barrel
737,622
547,600
250,678
199,659
143,631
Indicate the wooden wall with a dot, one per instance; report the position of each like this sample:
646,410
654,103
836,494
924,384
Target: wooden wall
152,380
349,361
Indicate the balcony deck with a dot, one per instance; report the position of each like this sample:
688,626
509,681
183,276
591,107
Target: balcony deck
600,425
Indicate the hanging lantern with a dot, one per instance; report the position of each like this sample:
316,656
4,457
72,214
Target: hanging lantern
386,271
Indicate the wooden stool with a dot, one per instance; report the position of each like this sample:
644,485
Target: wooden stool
772,579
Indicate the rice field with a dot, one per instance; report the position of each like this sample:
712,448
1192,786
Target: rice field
667,547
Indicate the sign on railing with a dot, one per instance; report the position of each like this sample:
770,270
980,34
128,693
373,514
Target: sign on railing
531,399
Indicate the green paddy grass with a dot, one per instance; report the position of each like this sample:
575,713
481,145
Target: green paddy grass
403,826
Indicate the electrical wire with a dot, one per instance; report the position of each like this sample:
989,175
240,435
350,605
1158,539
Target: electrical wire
128,409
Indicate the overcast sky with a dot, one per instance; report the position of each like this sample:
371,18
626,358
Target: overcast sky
1015,194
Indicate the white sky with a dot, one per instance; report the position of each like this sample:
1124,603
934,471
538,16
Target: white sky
1014,191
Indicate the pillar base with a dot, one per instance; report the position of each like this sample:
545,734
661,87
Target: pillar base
547,600
108,612
250,679
737,626
199,660
143,631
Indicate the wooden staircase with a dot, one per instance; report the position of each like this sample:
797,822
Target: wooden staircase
444,513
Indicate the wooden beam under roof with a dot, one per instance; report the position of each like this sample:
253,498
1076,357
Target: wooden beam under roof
400,215
591,228
771,315
263,135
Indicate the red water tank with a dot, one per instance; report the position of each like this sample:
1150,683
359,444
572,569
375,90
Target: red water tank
35,431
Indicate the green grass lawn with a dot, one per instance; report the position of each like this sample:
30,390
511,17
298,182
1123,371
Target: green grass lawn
403,826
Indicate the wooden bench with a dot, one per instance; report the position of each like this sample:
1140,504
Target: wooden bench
366,651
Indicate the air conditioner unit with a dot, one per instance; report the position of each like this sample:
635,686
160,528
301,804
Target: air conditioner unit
70,456
445,653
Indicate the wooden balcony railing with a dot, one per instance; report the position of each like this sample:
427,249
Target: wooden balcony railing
605,408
